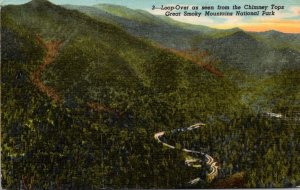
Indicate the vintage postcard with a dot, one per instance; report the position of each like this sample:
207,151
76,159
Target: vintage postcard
166,94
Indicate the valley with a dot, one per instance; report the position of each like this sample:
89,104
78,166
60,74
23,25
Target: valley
102,96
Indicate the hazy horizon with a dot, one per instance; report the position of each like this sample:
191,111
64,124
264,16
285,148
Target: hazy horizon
286,20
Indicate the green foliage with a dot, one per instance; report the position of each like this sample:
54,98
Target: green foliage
265,149
47,145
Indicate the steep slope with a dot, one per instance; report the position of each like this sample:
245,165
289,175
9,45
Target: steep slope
279,93
142,16
162,30
242,51
139,16
279,40
98,59
137,89
144,25
116,92
255,53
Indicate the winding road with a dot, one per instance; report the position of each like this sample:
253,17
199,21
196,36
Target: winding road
192,160
52,48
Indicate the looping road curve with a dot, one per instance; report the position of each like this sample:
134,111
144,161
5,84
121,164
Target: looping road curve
192,160
52,48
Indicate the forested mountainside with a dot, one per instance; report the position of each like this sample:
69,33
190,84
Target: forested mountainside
245,58
83,97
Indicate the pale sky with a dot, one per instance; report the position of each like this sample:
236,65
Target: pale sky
286,20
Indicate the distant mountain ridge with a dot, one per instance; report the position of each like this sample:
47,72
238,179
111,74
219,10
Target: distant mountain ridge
141,23
109,60
246,58
84,93
253,52
141,16
244,52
